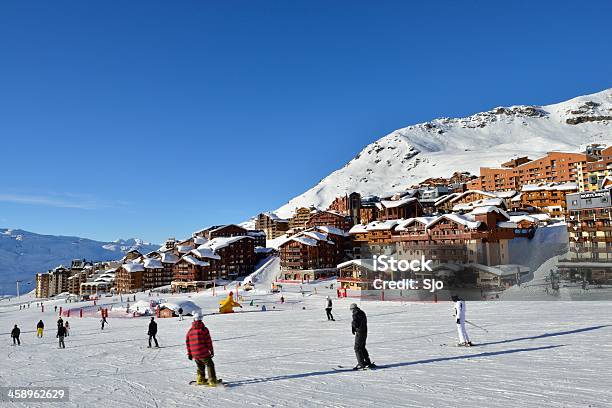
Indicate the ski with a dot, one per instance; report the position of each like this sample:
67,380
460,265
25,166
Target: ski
219,383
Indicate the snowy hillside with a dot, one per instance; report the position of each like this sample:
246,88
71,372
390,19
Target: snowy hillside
443,146
23,253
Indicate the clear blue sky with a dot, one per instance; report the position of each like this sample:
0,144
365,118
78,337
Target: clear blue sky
152,119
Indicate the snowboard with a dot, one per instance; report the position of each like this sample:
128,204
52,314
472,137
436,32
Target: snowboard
220,383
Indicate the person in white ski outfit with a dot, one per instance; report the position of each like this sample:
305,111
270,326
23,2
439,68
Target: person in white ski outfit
459,304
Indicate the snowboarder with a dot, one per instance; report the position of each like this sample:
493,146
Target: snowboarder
459,305
15,335
328,309
103,322
200,348
61,333
153,332
180,312
39,328
360,330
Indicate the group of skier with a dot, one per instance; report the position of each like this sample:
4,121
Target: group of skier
359,326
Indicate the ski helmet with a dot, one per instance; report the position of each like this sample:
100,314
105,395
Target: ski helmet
197,316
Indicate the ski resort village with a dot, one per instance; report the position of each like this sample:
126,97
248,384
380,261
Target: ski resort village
506,225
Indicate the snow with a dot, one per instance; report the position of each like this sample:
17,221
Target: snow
459,219
546,354
152,263
409,155
550,187
133,267
169,257
194,261
216,244
397,203
189,308
203,252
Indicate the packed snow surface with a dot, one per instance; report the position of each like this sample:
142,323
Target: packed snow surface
544,354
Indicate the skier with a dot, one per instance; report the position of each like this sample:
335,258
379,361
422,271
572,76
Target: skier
39,328
328,309
459,305
152,332
360,330
15,335
103,322
61,333
67,326
60,322
180,312
200,348
282,299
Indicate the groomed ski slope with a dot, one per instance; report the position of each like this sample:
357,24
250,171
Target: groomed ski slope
544,354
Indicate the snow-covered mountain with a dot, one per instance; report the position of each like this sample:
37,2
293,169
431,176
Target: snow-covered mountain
23,254
443,146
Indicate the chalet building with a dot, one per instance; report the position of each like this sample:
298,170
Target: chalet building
271,225
330,218
374,238
309,255
131,255
555,167
226,231
76,279
499,277
349,204
357,274
219,258
547,197
154,274
430,195
259,238
191,269
129,277
589,224
300,218
397,208
100,283
591,175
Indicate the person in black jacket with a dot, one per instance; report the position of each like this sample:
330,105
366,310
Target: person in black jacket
152,332
15,335
328,308
360,330
61,333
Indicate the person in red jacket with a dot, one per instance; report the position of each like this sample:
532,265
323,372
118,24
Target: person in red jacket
200,349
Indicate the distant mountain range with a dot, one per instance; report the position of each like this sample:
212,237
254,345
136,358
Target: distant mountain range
438,148
23,254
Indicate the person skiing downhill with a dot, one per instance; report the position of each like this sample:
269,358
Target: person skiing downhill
359,327
15,335
459,313
152,332
40,327
103,322
328,308
200,348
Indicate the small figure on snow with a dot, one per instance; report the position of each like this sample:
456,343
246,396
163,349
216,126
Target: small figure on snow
459,313
200,348
40,327
61,333
60,322
359,327
328,308
103,322
180,313
67,326
15,335
152,332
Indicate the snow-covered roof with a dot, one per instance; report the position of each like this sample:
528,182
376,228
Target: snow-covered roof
152,263
468,192
550,187
445,198
332,230
519,218
479,203
183,249
374,226
506,224
465,220
490,208
305,240
194,261
189,308
366,263
398,203
402,226
502,270
256,233
133,267
197,240
216,244
169,257
517,198
319,236
203,252
274,217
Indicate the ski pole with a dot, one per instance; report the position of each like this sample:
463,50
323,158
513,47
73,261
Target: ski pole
475,325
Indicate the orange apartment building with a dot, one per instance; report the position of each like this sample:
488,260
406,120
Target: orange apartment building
557,167
331,219
547,197
128,277
309,256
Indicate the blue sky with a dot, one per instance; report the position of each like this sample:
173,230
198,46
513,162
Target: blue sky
152,119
